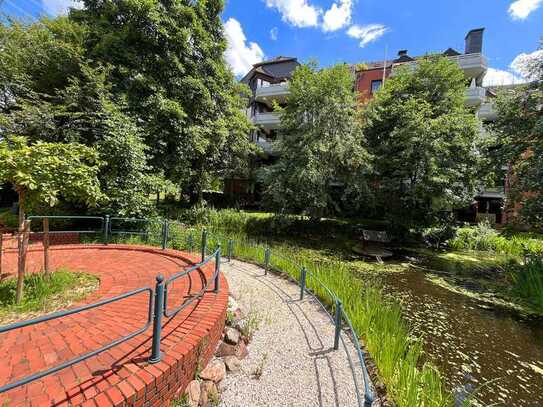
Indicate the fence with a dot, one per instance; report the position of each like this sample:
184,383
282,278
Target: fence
165,234
157,305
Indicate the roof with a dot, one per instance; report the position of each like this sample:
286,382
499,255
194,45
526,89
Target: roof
278,68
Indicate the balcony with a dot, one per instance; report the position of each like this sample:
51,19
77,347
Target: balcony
268,120
274,92
265,144
475,96
487,112
473,65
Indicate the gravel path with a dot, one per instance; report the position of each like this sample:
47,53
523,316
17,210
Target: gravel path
291,358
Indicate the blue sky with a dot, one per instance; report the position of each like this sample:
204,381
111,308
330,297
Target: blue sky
360,30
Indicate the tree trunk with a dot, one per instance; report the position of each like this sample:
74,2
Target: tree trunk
24,232
46,268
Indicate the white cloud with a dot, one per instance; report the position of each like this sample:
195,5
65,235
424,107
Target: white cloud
56,7
524,64
274,33
521,70
239,54
367,33
299,13
497,77
521,9
338,16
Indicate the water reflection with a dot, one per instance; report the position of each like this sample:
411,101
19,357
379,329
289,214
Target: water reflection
475,345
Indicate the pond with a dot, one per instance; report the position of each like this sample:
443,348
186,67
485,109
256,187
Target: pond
478,347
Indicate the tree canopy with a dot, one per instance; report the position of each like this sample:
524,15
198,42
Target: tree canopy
424,141
143,81
322,159
519,130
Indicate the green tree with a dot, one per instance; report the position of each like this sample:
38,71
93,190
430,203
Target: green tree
425,143
321,146
167,63
519,129
77,107
42,173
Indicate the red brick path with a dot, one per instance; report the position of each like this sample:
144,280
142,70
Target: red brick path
120,376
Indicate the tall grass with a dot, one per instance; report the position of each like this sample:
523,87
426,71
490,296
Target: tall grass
484,237
528,282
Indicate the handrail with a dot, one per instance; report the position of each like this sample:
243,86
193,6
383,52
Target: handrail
87,355
193,297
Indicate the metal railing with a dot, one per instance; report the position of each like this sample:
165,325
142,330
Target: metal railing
191,239
158,297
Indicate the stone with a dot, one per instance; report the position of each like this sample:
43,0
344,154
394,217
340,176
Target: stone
193,393
232,363
241,350
225,350
232,336
215,371
209,393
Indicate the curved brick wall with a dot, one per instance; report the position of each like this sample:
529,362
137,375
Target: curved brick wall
120,376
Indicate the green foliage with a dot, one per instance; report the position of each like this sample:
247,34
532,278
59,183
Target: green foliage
41,290
176,84
519,130
425,142
7,218
528,282
484,237
41,173
322,160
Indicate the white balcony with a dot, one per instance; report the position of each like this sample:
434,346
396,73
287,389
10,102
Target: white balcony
274,92
475,96
473,65
264,144
487,112
268,120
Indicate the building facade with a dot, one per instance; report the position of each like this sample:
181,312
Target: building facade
268,82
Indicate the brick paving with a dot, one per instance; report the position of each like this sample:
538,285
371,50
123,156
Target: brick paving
120,376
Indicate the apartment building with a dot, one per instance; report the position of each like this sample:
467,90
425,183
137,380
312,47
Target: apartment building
268,82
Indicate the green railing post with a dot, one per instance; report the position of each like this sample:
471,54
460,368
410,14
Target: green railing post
303,276
339,305
165,232
217,270
266,260
157,319
191,242
106,230
230,250
204,244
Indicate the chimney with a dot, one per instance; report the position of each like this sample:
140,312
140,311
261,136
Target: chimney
402,52
474,41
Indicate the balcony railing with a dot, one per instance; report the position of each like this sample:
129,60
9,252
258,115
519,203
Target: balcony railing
276,91
268,120
487,112
475,96
473,65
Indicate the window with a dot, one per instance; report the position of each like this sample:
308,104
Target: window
375,85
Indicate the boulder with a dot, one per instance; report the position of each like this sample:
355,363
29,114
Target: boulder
225,349
209,393
241,350
232,363
215,371
193,393
232,336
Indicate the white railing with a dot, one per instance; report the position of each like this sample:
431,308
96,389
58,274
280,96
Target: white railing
268,119
276,90
475,96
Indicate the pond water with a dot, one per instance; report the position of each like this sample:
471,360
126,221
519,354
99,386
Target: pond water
476,346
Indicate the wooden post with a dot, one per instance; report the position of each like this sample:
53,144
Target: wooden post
46,246
23,245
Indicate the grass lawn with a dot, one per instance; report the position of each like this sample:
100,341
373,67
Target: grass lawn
44,294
